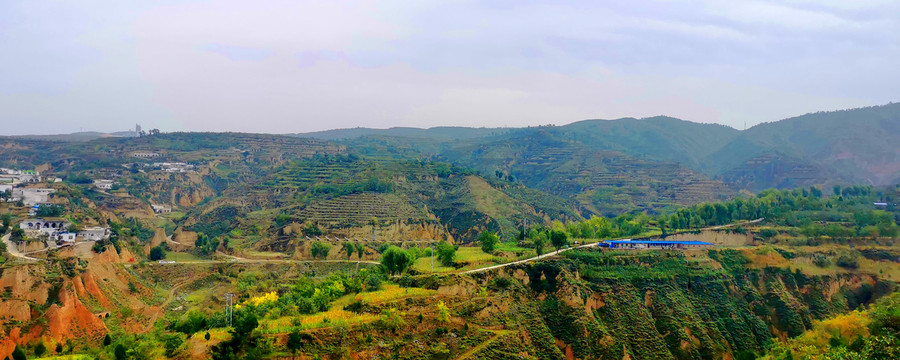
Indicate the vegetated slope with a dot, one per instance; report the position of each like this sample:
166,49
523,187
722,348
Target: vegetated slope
659,138
857,145
440,132
604,182
662,305
849,146
352,196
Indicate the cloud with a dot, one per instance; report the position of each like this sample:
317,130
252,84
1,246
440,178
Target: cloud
287,66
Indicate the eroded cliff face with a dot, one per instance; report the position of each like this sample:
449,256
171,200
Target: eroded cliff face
67,299
663,306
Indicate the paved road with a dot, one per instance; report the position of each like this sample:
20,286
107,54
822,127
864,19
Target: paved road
588,245
14,251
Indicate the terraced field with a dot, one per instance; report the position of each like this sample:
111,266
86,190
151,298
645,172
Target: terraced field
360,209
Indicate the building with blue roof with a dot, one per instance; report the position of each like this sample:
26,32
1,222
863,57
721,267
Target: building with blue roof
653,244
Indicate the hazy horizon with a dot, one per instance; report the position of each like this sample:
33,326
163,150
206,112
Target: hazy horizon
285,67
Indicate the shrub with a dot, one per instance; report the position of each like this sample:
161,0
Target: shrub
157,253
373,283
488,241
848,261
446,253
319,250
821,260
396,260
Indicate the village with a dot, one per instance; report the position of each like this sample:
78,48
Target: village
46,227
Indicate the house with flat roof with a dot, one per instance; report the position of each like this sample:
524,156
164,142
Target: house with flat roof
49,227
94,233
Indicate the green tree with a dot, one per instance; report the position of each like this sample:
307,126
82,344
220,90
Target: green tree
120,352
446,253
17,234
360,251
157,253
539,241
349,248
18,354
107,340
558,239
294,342
40,349
206,336
396,260
488,241
319,250
312,230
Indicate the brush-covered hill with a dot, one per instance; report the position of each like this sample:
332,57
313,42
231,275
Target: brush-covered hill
824,148
603,181
858,145
603,165
356,197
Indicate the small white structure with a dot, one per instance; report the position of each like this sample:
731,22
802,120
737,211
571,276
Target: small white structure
66,236
103,184
174,167
49,227
32,196
12,176
94,233
161,209
145,154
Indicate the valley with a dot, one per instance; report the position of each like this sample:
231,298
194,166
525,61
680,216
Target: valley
647,238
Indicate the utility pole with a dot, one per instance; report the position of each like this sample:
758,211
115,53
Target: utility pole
229,307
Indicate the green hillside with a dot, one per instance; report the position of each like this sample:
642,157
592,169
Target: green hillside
356,196
856,145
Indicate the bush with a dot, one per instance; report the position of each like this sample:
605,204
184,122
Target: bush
319,250
373,283
821,260
396,260
157,253
488,241
848,261
446,253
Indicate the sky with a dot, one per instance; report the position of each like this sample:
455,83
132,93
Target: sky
300,66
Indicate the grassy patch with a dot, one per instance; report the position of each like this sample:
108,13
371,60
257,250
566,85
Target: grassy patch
181,256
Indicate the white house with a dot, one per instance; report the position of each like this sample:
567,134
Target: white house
32,196
144,154
103,184
49,227
161,209
94,233
66,236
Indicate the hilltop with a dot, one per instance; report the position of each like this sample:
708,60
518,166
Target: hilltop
824,148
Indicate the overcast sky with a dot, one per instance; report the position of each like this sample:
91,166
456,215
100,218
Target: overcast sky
297,66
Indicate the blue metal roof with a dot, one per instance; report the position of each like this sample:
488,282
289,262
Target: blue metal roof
659,242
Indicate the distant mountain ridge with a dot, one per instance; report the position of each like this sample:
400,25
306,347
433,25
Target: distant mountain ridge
823,148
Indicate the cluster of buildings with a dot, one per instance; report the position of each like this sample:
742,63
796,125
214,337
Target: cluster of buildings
12,181
15,177
30,196
103,184
174,167
59,230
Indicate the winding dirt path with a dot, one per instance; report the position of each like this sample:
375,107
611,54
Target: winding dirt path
14,251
